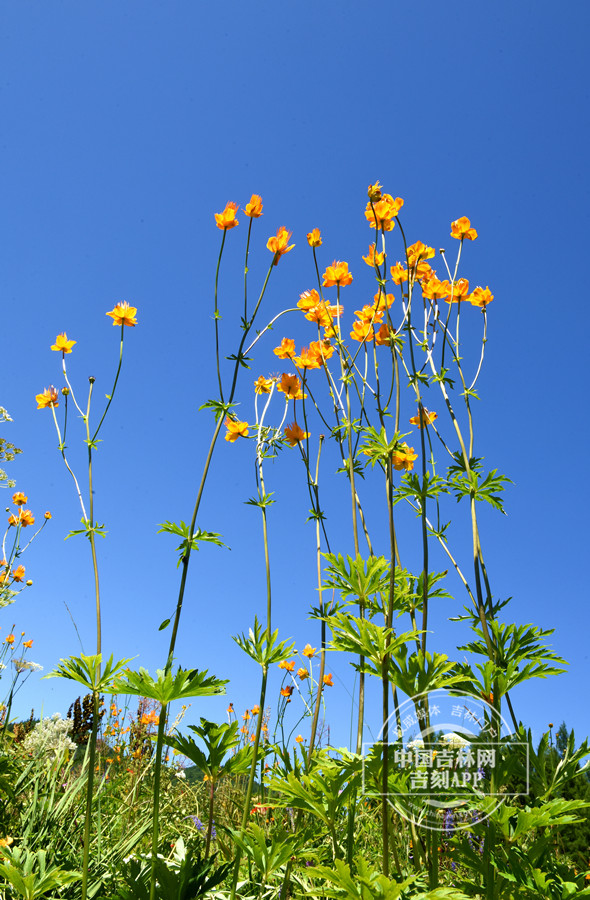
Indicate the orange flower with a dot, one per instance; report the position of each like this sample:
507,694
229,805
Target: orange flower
12,520
324,314
62,344
308,299
263,385
383,336
294,434
338,274
418,252
255,710
314,238
328,680
151,718
18,574
299,739
278,244
47,398
323,350
288,665
286,349
227,219
403,458
461,228
368,314
123,314
47,515
307,359
28,644
302,673
254,207
373,259
26,517
435,289
384,211
399,273
19,499
287,691
9,639
424,418
235,430
309,651
480,297
230,709
361,331
381,300
460,290
291,387
246,715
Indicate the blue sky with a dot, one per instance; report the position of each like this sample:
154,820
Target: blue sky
126,127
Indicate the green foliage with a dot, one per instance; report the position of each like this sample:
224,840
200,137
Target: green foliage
167,686
87,671
365,883
30,875
266,652
190,541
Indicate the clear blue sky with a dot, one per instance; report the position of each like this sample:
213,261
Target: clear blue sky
125,127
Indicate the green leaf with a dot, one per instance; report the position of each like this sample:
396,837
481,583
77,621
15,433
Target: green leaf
167,687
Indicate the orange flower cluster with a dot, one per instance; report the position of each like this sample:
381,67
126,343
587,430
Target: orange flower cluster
25,517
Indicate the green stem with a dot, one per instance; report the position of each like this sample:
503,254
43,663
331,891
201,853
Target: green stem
156,802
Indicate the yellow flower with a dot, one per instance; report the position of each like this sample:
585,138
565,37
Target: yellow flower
425,418
10,639
299,739
294,434
314,238
287,691
28,644
278,244
361,331
435,289
235,430
302,673
288,665
461,228
26,517
19,499
255,710
399,273
373,259
246,715
291,387
123,314
460,290
309,651
480,297
338,274
47,398
286,349
18,574
384,211
418,252
47,515
403,458
328,680
263,385
308,359
254,207
62,344
227,219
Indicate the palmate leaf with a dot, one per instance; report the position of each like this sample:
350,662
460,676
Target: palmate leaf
357,578
167,686
262,650
87,671
30,875
190,541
